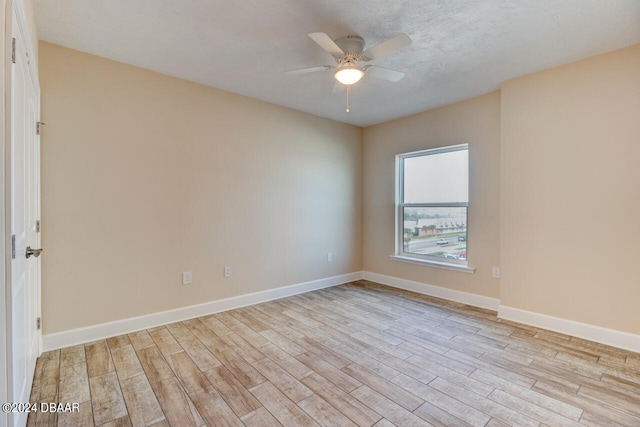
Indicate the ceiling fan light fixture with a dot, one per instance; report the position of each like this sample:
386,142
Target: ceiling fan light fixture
348,75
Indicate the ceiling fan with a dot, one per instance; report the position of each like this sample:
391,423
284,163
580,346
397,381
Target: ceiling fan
349,52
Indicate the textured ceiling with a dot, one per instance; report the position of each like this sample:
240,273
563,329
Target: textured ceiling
460,48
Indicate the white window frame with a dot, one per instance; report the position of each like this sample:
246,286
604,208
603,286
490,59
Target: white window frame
400,254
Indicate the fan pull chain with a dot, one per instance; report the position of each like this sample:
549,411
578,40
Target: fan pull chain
348,90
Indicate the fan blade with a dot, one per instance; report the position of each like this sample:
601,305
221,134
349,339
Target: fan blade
386,47
309,70
384,73
325,42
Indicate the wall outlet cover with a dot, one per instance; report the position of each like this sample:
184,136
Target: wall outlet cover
186,278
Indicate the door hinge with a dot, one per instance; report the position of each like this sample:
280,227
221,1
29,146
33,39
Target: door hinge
39,125
13,50
38,323
13,246
37,226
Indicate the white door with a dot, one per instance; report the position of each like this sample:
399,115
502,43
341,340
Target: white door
25,214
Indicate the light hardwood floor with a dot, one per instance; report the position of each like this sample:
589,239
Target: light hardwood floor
360,354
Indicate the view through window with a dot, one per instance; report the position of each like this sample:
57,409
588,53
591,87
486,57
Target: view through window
432,202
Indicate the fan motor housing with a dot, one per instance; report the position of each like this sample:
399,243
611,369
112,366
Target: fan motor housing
353,45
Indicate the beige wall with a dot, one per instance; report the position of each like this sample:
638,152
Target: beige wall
145,176
476,122
570,191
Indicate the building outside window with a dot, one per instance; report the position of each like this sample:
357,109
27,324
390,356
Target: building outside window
432,199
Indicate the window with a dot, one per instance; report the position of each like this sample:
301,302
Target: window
432,199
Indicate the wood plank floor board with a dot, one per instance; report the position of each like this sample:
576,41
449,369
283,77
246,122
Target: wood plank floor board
627,402
373,341
407,400
343,338
480,341
513,377
46,379
439,408
154,364
352,408
329,372
207,336
123,421
417,345
512,356
566,371
483,404
438,417
372,364
262,313
177,406
526,407
530,349
140,339
318,336
237,396
283,409
325,353
560,379
198,352
188,373
593,407
379,333
293,366
119,341
260,418
388,408
72,355
562,408
288,385
126,362
106,398
42,419
454,377
360,354
243,371
323,413
250,353
84,417
245,316
142,406
401,365
74,383
241,329
283,342
623,381
165,342
215,323
213,408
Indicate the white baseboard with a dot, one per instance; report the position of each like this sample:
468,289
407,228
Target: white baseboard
124,326
598,334
435,291
612,337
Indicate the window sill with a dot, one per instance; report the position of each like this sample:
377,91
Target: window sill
435,264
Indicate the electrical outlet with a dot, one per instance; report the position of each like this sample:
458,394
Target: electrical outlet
329,256
227,271
495,272
186,278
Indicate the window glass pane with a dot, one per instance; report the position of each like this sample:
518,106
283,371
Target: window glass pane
439,232
437,178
